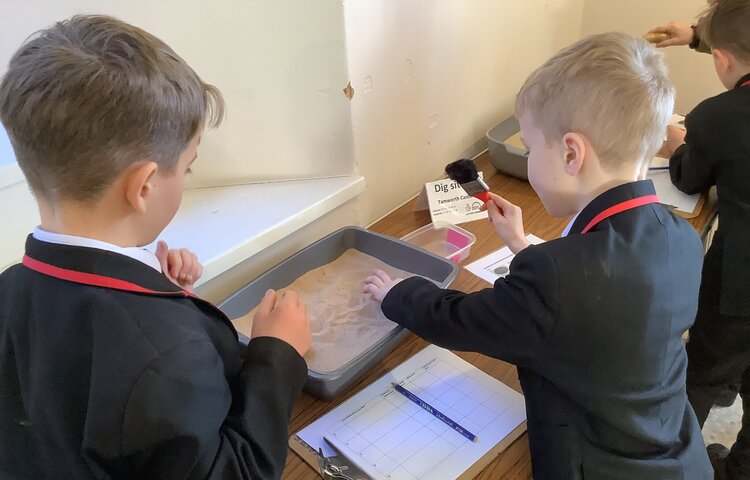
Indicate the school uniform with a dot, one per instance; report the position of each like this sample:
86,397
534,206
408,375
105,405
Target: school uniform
109,370
717,152
594,323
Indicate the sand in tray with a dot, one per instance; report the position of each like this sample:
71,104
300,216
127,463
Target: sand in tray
344,321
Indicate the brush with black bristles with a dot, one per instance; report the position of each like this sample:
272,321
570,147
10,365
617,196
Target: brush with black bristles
464,172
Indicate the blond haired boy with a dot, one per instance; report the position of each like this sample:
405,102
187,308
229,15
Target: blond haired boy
109,369
593,320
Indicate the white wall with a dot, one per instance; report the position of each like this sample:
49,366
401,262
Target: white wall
281,65
6,152
692,73
432,76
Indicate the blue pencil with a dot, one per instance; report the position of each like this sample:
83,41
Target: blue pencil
439,415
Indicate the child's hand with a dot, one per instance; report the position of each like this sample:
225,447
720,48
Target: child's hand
680,34
180,265
508,222
282,315
675,138
379,284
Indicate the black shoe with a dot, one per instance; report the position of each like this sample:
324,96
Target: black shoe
726,399
717,455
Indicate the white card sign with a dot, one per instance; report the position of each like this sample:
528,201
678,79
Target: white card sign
448,202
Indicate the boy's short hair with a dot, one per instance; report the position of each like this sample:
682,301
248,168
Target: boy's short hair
612,88
726,25
87,97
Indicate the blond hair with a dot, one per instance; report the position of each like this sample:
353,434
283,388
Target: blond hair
89,96
726,25
612,88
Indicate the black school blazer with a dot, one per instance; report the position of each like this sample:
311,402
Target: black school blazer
594,323
134,378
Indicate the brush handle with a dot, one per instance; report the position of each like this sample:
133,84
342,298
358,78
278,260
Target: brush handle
484,196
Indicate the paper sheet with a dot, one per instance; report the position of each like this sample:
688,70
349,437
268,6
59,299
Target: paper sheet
497,264
390,437
678,121
665,189
668,193
659,162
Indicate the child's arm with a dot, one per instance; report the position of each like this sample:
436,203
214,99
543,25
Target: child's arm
185,421
692,164
510,321
679,34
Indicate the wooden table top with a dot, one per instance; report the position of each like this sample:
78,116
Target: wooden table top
515,461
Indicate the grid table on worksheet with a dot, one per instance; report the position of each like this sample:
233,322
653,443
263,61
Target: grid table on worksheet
403,441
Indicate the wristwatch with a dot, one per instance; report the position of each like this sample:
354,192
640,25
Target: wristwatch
696,41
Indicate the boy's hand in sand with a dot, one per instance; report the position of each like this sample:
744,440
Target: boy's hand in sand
508,222
180,265
282,315
379,284
679,34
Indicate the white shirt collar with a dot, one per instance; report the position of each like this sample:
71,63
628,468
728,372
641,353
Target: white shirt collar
570,225
136,253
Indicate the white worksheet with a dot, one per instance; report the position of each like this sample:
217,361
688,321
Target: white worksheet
497,264
668,193
391,437
677,120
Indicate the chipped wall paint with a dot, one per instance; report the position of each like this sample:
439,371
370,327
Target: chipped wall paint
348,91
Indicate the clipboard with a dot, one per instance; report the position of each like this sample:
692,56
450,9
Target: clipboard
310,456
388,436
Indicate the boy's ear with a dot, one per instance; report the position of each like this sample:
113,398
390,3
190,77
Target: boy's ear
723,59
574,151
138,184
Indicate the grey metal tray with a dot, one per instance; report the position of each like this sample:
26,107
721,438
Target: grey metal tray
505,158
397,253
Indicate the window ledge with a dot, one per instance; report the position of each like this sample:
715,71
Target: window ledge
226,225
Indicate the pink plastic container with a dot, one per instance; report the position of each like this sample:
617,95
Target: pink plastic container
444,239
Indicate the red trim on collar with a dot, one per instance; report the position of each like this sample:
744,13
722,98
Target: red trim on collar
745,84
93,279
619,208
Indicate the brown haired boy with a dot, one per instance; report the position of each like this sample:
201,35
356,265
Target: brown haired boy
109,369
716,151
